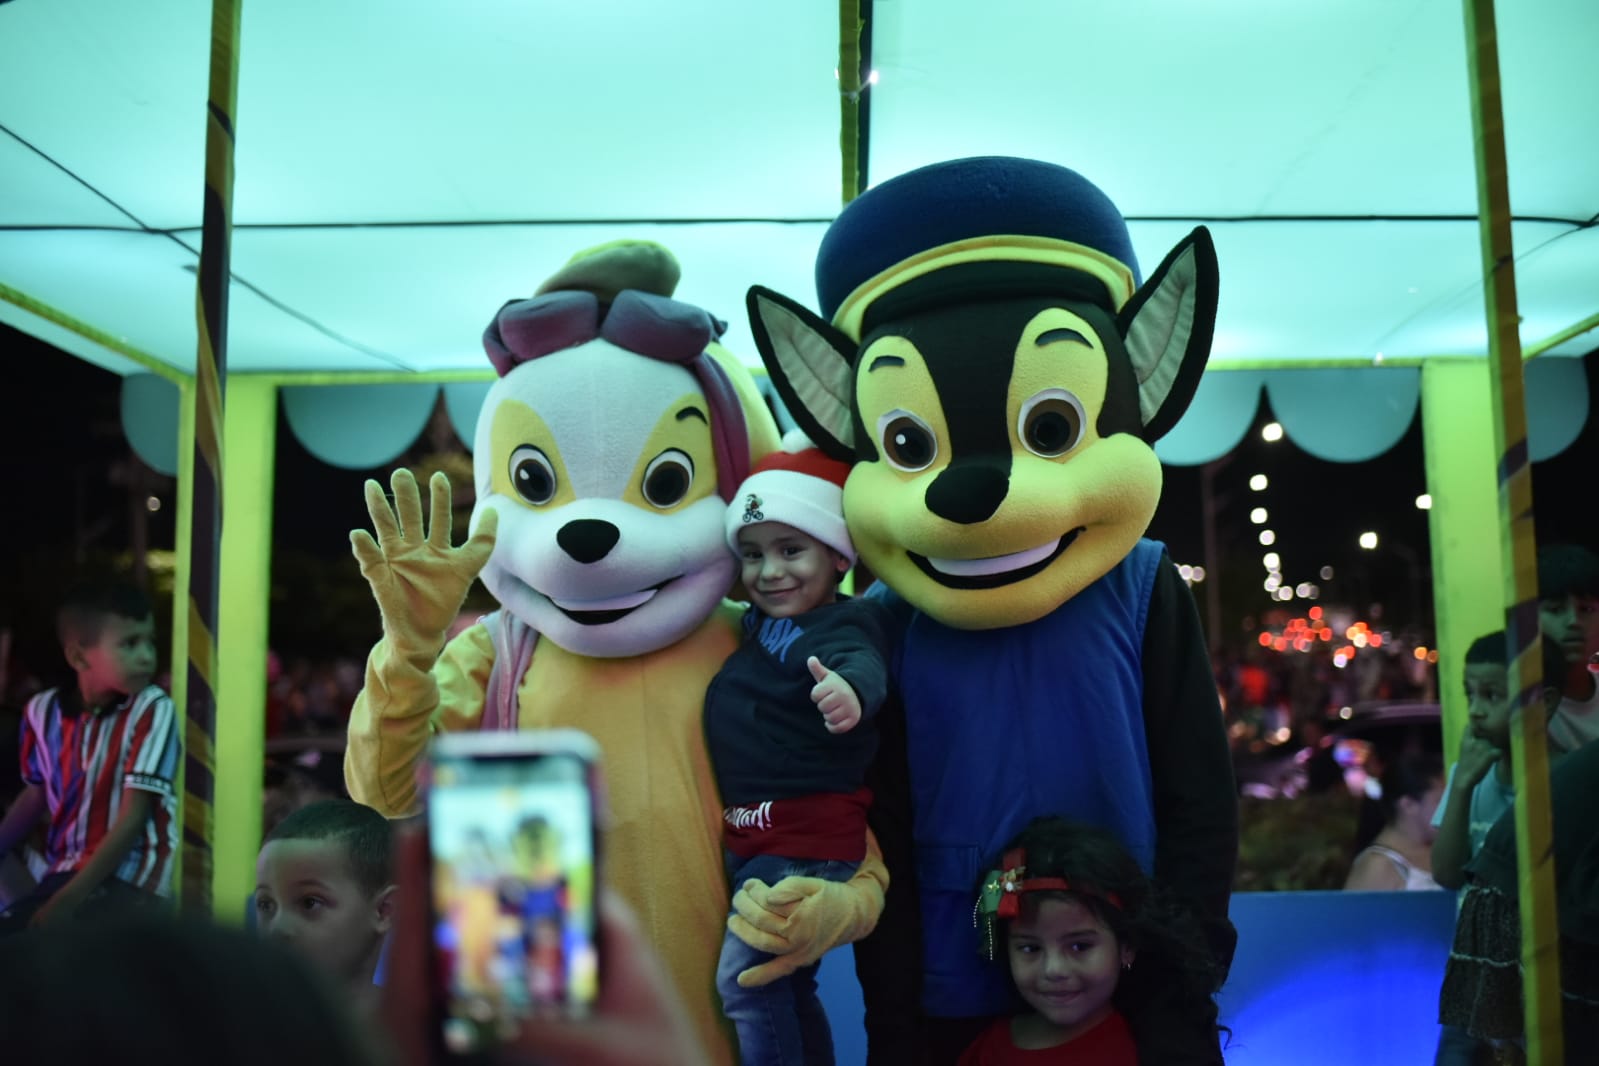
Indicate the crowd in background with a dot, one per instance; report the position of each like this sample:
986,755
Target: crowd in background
1276,703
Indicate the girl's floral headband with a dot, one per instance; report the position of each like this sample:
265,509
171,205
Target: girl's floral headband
1001,896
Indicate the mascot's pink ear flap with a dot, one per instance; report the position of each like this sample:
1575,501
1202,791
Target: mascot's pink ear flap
1168,326
812,367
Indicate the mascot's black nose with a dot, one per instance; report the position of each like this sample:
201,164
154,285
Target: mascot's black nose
968,493
588,539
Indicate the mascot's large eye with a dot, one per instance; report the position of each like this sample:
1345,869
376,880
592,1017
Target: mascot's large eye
533,475
1051,423
667,478
908,442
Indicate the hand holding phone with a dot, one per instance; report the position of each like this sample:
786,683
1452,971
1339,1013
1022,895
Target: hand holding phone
512,832
638,1019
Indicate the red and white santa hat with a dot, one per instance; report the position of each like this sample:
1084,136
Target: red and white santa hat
797,486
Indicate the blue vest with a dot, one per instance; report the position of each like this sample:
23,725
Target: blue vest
1005,725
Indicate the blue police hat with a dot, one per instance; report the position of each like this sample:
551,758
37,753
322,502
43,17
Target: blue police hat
979,209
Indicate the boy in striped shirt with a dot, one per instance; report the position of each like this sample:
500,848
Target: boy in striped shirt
99,756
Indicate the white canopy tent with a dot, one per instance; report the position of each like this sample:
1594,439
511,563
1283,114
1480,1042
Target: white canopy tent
400,174
404,168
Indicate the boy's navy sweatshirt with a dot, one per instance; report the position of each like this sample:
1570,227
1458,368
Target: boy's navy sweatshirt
766,739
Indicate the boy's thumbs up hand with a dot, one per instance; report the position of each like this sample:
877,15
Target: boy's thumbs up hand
833,696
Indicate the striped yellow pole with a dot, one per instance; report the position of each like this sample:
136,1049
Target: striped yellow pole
849,99
210,370
1529,743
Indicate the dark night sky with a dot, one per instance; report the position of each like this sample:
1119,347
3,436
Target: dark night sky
61,434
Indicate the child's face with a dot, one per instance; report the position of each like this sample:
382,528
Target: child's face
1489,702
121,661
787,572
1573,622
307,895
1065,963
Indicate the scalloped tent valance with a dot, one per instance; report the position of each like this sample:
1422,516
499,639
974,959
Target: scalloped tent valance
1352,415
1343,415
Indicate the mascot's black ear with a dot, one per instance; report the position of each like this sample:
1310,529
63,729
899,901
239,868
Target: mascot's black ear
1167,326
812,368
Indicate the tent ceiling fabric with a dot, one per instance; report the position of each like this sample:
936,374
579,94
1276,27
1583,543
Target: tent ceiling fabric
398,178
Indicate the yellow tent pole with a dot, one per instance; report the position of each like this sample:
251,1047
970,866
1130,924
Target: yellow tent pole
849,99
1576,329
211,312
1456,402
244,611
282,378
1540,962
18,298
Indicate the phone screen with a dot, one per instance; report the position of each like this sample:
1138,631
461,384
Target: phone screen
513,881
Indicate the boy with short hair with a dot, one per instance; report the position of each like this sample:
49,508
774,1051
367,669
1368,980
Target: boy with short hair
325,886
1481,786
1568,613
99,757
788,725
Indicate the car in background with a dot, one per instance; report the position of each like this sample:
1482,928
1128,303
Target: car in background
1358,741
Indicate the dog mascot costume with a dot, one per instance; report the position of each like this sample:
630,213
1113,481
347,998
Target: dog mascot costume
988,360
604,459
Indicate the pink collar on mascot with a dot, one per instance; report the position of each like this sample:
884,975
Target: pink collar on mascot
645,324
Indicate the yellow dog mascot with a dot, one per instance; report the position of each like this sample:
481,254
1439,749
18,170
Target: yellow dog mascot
604,459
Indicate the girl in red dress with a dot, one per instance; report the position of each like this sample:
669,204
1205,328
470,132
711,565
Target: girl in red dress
1086,938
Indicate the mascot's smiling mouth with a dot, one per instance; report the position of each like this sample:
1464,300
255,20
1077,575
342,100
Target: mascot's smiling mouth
995,571
603,612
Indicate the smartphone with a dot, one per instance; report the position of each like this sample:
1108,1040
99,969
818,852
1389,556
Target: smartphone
512,828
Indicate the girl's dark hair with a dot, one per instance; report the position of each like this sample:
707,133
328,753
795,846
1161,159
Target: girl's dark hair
1172,959
1407,777
167,990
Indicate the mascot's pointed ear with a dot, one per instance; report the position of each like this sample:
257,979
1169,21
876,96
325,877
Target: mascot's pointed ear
1168,325
812,367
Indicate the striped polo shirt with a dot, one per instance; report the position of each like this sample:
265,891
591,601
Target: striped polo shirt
85,760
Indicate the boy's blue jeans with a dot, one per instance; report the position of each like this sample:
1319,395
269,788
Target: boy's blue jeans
781,1023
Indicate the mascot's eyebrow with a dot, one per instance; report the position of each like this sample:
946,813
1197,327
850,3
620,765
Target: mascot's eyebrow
1050,336
885,360
693,412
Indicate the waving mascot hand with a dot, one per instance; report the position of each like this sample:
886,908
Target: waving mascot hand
603,460
989,361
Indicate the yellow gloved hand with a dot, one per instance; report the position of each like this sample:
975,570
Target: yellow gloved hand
417,578
800,919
